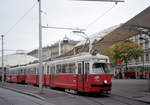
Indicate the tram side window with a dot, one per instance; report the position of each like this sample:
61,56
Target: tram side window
34,70
64,68
72,68
21,71
87,68
48,69
6,72
79,71
43,69
52,69
15,72
69,68
18,72
26,70
79,68
86,71
29,70
37,71
148,68
58,68
12,72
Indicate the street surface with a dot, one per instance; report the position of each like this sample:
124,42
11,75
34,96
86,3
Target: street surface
8,97
125,92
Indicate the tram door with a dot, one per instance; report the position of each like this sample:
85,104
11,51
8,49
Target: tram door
81,79
52,76
83,76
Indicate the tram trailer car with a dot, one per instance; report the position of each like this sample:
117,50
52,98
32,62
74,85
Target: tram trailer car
8,76
21,75
14,75
83,72
32,74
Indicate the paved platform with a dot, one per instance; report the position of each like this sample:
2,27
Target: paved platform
132,88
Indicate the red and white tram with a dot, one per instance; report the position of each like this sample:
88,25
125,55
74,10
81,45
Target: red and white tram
83,72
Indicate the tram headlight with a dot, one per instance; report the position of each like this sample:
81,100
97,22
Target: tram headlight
105,81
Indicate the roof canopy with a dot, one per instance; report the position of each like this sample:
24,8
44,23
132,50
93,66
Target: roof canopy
138,24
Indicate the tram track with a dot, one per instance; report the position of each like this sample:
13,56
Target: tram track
122,100
103,103
131,99
111,100
95,101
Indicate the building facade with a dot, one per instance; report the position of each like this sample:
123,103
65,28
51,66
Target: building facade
144,41
140,68
56,49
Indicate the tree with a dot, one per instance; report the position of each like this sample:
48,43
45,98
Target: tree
123,51
110,53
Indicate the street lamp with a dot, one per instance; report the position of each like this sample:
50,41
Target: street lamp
2,36
142,38
40,48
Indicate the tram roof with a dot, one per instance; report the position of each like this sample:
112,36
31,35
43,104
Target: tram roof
80,57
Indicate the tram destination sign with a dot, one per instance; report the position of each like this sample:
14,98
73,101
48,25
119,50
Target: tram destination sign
103,60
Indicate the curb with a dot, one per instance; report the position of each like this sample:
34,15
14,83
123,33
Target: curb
23,92
147,102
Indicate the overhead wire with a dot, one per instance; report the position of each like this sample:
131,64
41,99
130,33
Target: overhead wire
102,15
21,18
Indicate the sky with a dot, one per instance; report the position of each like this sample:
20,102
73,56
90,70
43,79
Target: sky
92,16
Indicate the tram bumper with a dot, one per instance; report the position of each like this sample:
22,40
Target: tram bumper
101,87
